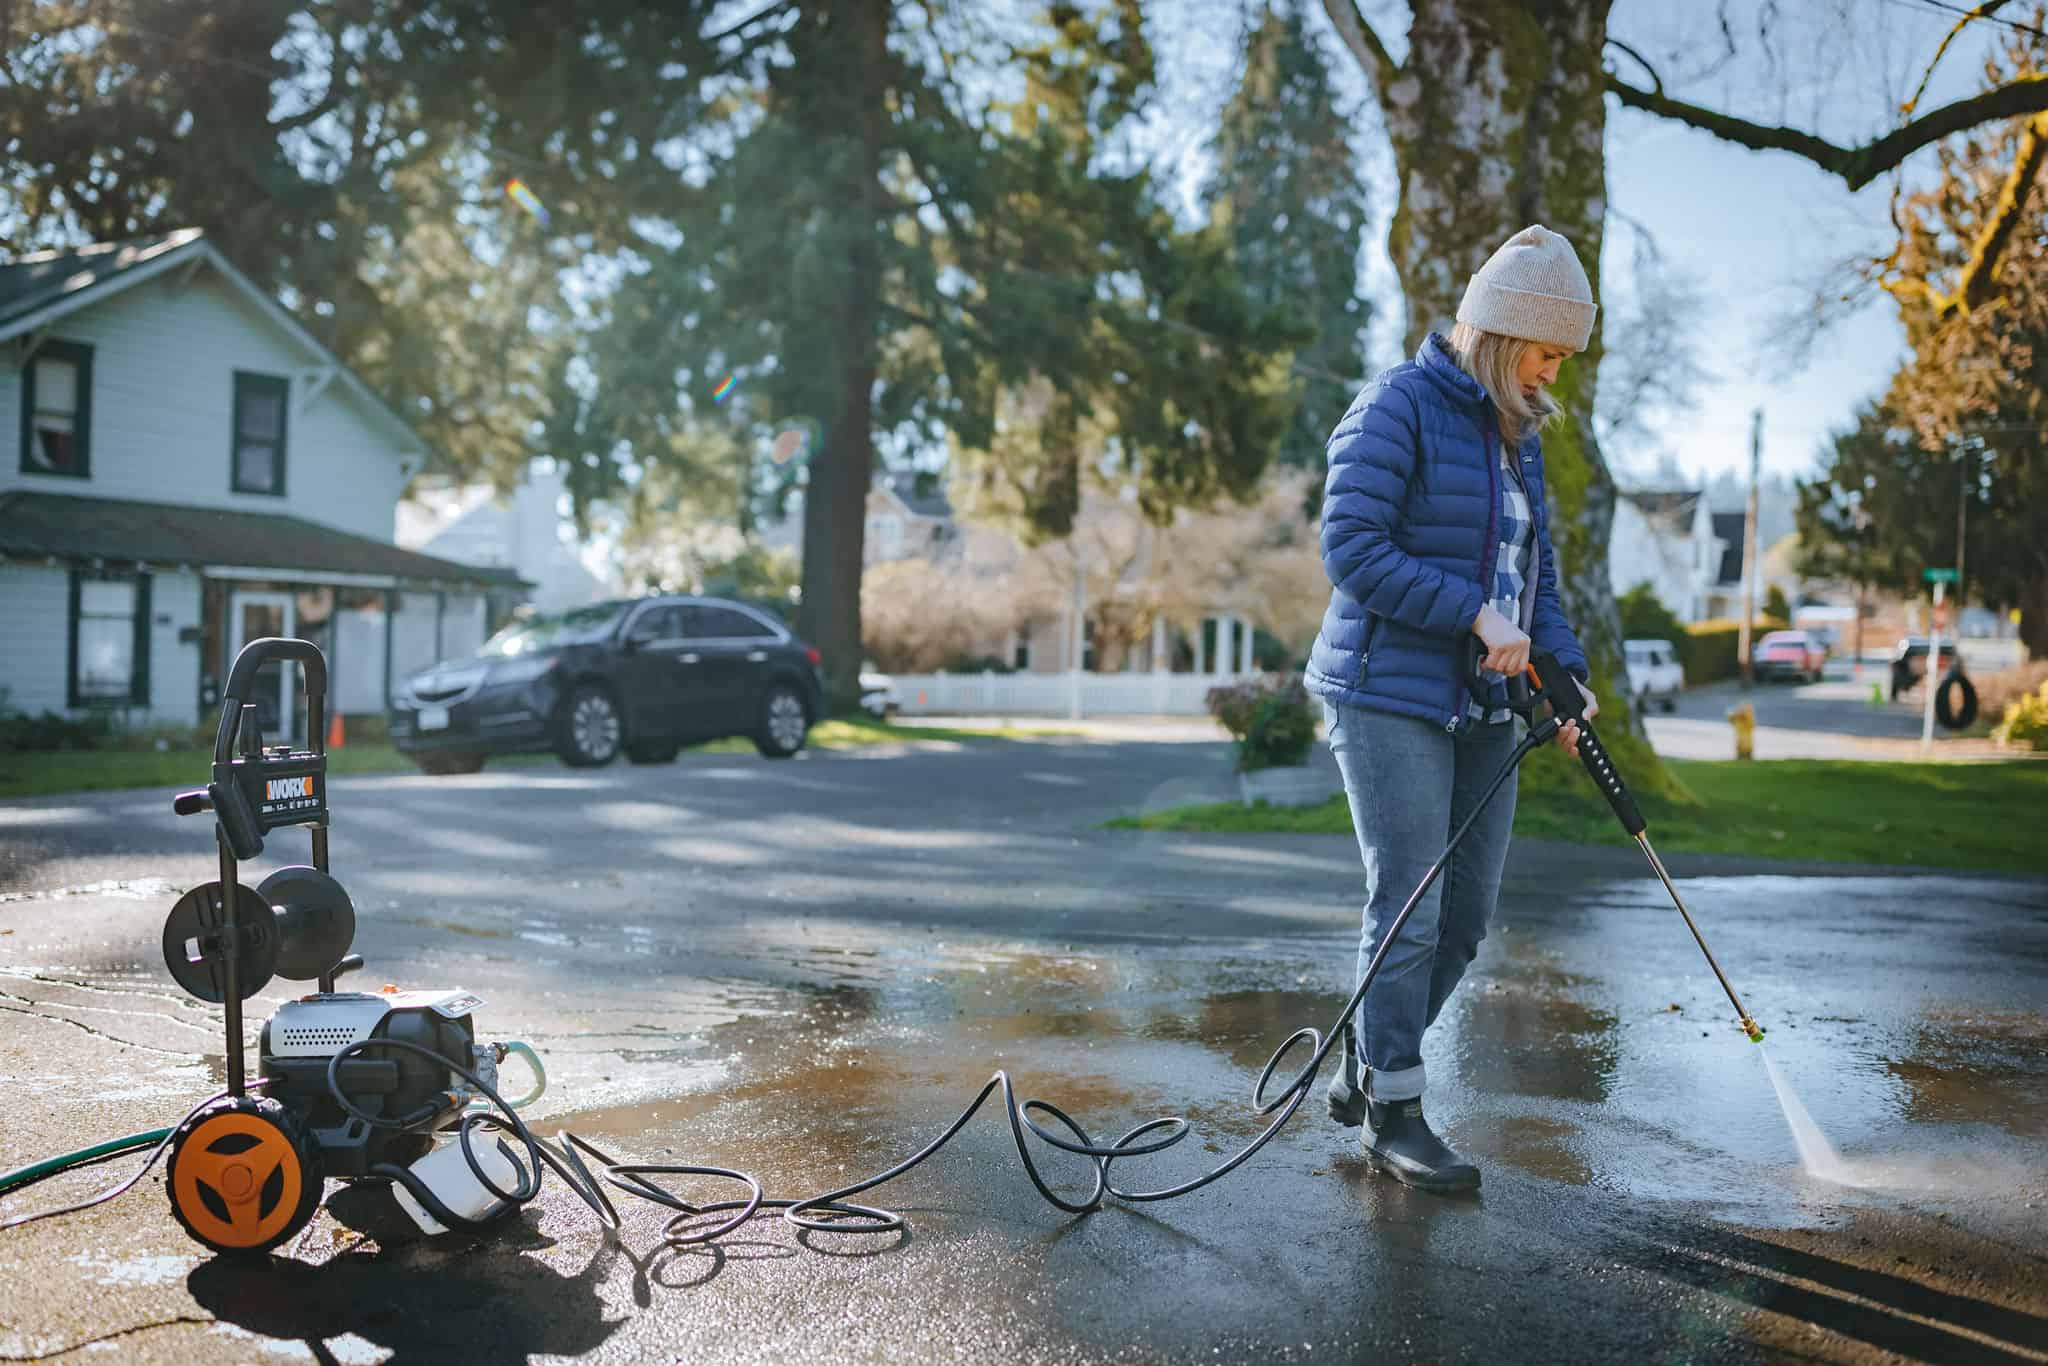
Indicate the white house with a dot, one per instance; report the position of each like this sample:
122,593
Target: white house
194,470
1668,538
520,531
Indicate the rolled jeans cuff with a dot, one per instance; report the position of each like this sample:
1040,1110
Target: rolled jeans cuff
1405,1084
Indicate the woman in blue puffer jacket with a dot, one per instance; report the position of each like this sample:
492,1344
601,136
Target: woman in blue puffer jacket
1435,530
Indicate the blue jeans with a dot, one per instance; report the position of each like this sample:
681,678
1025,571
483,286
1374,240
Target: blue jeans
1411,783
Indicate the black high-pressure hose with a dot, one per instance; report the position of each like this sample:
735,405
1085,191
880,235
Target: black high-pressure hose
832,1211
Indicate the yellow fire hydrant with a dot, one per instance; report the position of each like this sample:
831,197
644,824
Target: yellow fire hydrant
1743,718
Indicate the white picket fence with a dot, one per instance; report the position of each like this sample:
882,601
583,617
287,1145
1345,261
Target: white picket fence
1030,694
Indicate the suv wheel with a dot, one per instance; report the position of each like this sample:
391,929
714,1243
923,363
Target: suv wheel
588,733
784,723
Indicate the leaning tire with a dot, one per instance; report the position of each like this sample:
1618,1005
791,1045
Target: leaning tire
784,723
243,1177
444,763
652,753
589,731
1955,704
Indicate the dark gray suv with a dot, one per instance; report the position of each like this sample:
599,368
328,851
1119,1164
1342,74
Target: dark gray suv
643,677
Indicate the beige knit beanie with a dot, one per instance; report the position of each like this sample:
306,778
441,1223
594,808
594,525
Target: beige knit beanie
1533,288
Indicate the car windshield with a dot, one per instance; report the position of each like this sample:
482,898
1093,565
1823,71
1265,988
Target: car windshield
1784,638
546,630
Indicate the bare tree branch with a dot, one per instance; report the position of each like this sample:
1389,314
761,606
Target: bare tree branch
1983,11
1857,166
756,17
1366,47
1979,279
1640,60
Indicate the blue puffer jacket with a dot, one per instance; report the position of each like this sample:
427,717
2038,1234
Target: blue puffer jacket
1411,529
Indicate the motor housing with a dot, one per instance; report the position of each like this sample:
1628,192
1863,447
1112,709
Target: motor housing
300,1040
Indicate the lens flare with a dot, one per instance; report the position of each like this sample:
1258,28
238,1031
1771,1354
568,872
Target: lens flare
724,388
527,200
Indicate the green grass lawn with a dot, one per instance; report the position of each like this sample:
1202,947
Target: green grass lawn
98,770
1989,817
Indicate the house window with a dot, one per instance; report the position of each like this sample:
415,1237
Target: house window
109,640
258,447
56,410
1020,660
887,530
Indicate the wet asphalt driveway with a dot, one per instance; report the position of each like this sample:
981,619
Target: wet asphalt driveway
805,970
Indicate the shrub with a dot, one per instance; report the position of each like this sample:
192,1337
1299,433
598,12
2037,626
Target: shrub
1998,691
1645,617
1710,649
1271,719
2026,721
21,733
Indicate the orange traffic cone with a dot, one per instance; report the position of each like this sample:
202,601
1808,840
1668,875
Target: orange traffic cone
335,738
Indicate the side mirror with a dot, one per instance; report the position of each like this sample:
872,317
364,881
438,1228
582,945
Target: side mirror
631,644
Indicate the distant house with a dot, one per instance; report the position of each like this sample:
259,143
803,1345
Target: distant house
520,531
1724,597
195,470
1670,539
909,516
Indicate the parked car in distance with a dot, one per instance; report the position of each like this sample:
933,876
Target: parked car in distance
878,696
1789,654
641,676
1909,662
1654,672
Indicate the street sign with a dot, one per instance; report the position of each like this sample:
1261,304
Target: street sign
1941,576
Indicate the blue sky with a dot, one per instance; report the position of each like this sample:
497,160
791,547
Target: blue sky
1757,232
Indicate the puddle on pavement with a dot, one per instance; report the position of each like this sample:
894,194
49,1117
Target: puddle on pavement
1539,1146
1528,1033
1560,1076
1248,1026
809,1128
1983,1068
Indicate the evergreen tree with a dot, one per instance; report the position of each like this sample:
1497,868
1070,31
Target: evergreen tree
1287,193
862,239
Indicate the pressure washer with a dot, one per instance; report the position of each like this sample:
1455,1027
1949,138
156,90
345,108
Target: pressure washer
247,1170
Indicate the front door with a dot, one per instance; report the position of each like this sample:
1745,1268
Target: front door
253,616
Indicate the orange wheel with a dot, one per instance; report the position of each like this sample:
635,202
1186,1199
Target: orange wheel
242,1177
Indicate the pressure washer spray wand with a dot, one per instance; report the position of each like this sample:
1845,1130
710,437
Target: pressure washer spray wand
1555,684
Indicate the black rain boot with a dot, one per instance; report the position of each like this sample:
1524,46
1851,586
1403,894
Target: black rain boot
1399,1142
1346,1093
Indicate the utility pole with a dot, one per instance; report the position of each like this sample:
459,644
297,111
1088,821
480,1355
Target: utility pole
1750,566
1970,464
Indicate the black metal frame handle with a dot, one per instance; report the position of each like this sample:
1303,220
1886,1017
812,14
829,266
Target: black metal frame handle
253,657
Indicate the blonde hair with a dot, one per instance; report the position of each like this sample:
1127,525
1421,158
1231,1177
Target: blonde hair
1492,359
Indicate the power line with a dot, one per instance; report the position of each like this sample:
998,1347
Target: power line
1971,14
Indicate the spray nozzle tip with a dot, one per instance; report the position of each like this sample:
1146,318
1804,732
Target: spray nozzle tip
1753,1029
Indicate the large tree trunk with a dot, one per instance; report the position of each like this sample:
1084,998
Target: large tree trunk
2034,617
1497,122
835,502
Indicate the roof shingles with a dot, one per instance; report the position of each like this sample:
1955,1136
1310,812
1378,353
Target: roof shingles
37,525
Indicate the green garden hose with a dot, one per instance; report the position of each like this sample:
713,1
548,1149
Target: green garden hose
36,1171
